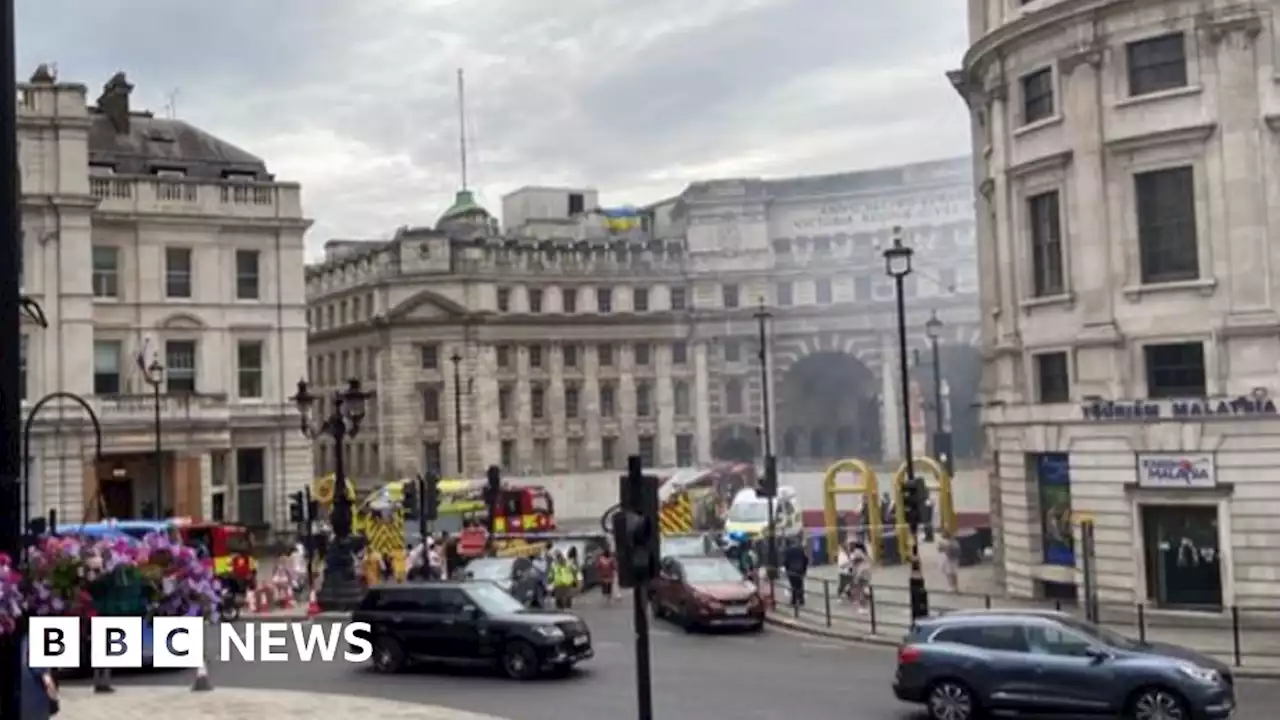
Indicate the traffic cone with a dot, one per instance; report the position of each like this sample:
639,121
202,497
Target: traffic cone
202,683
313,606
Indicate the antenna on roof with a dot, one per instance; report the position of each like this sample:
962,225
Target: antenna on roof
462,127
171,104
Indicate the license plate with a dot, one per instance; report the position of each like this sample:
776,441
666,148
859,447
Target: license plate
735,611
580,641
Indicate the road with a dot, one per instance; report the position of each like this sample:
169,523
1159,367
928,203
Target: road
735,677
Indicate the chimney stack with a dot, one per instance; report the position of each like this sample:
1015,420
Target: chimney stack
114,102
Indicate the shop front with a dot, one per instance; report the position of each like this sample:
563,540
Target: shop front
1177,498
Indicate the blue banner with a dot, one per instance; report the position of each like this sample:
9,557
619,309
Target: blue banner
1057,535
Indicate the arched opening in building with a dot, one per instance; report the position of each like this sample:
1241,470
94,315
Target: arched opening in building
829,409
736,443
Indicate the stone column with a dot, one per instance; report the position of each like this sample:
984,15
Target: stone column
701,397
590,397
891,398
1089,242
664,403
524,413
626,400
485,436
556,408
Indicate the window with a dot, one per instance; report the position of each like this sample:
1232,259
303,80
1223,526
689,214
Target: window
680,397
640,299
537,402
1157,64
571,402
504,402
431,405
733,397
504,299
608,452
647,453
541,455
642,352
569,353
508,454
431,457
679,353
1008,638
679,300
247,262
251,476
604,300
607,399
430,357
785,294
1046,245
1037,96
106,367
569,301
1049,640
684,451
22,368
535,301
535,356
729,296
249,368
644,400
106,271
822,291
576,204
180,366
503,353
1175,371
604,355
1052,378
1167,225
732,351
177,272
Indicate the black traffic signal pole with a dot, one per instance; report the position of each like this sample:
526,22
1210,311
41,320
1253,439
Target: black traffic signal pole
770,463
10,392
915,585
309,547
635,520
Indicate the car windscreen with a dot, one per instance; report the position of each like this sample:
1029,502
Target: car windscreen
752,511
490,569
696,573
493,601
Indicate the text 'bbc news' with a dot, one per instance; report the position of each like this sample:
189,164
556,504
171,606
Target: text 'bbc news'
179,642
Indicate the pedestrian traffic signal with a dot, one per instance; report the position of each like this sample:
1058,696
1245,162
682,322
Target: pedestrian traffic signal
493,484
431,496
297,508
635,526
769,482
410,498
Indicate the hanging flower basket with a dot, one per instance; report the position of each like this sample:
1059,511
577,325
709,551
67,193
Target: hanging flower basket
118,577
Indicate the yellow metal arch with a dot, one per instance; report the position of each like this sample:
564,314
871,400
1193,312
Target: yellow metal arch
868,487
946,502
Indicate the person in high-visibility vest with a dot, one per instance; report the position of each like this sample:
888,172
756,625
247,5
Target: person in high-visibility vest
564,580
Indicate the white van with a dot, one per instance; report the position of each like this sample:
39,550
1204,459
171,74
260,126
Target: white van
749,513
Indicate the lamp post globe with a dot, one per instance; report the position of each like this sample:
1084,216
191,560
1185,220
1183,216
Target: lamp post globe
304,400
897,257
933,327
353,405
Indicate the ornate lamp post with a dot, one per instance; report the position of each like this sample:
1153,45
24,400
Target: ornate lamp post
933,328
897,265
340,590
153,375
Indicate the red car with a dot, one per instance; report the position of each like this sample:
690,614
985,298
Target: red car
706,592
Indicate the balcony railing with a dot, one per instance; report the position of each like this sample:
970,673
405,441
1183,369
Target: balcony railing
175,196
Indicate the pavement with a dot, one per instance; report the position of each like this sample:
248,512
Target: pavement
778,673
1247,639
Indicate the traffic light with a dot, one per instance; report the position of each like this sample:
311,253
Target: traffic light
635,526
409,498
431,496
297,508
769,483
493,486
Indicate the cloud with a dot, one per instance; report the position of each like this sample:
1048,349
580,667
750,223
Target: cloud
356,99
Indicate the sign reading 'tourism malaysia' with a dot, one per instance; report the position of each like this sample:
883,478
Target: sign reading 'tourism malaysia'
1243,407
1162,470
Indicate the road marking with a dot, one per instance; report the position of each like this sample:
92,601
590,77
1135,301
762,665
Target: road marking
822,646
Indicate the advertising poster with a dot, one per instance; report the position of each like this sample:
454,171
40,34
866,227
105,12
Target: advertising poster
1053,475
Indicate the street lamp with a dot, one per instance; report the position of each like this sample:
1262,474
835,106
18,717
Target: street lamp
770,462
153,375
340,590
457,410
897,265
933,328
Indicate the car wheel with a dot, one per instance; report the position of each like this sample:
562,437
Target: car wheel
520,661
388,656
951,700
1157,703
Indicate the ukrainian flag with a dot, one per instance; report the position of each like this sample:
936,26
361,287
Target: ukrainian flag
621,219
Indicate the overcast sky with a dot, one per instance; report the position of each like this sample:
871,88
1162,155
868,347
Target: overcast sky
356,99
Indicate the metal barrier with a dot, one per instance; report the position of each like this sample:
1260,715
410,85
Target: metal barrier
868,488
1241,636
946,502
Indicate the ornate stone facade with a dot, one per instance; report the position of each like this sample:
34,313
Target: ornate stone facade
581,338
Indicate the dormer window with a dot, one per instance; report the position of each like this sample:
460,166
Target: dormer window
101,169
168,172
238,176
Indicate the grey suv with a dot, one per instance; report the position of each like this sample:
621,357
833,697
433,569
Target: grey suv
962,664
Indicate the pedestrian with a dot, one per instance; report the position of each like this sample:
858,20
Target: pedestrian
39,691
563,582
844,565
417,560
796,564
860,586
606,571
572,558
435,561
949,549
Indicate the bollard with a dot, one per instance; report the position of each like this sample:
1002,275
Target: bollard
826,599
987,601
202,683
1235,634
1142,623
871,605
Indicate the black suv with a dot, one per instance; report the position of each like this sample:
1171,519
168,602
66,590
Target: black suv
469,623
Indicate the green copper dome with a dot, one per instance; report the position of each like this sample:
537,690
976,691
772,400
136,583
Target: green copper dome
464,205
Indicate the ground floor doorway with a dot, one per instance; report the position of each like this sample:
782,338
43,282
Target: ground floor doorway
1182,556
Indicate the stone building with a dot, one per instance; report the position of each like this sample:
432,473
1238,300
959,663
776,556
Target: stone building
145,236
579,335
1123,154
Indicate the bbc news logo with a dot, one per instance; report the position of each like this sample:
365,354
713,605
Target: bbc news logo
179,642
